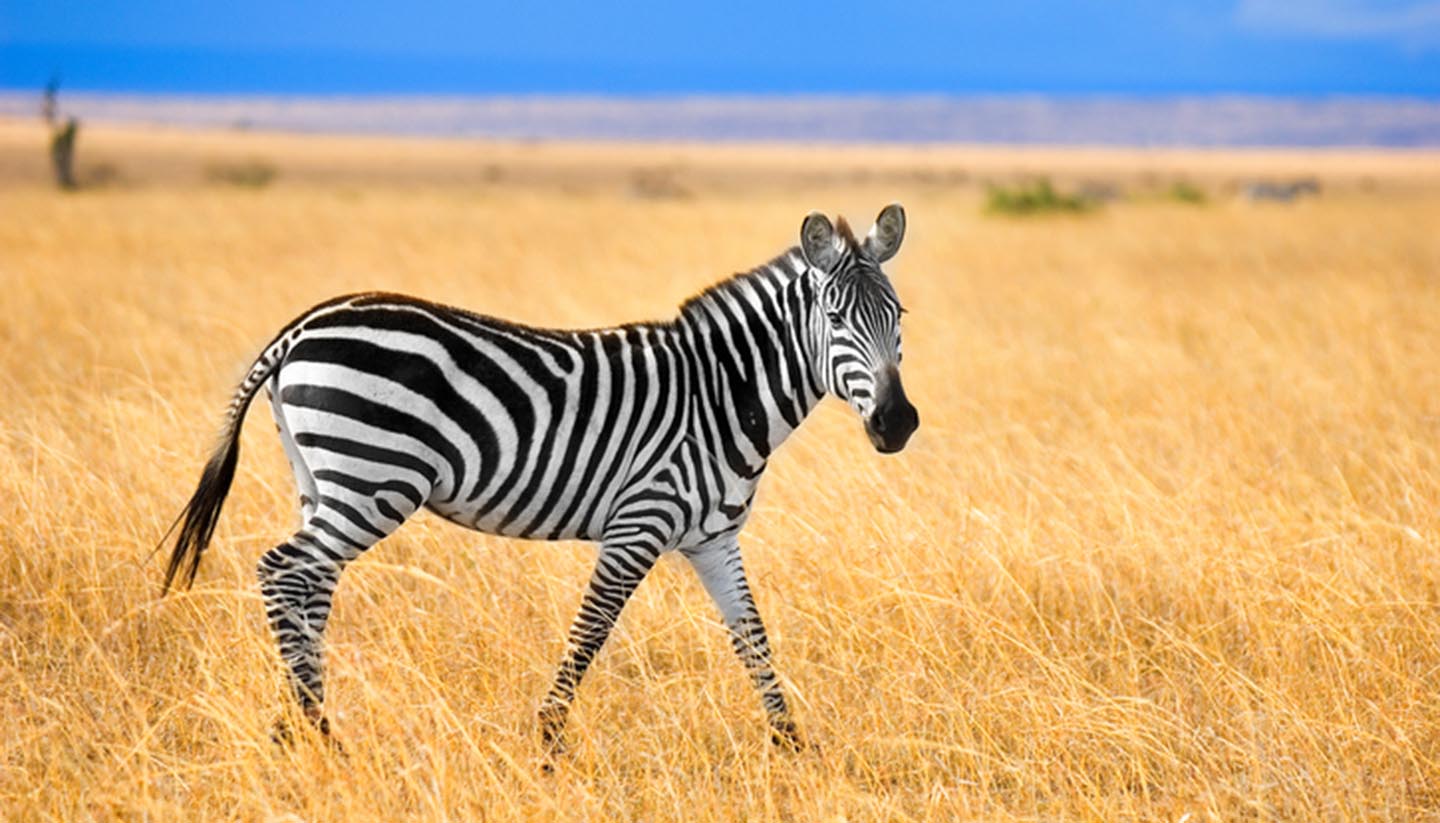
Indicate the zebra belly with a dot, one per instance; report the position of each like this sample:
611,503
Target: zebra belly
520,518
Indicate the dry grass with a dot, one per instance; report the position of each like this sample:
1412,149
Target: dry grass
1165,544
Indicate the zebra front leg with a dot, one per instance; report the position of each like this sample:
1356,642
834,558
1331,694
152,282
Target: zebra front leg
619,569
723,574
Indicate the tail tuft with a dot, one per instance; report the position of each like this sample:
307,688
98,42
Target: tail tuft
197,521
202,513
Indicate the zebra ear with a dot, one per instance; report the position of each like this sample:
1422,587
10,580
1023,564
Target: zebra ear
884,238
817,242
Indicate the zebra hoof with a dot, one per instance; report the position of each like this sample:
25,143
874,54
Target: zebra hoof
284,736
554,750
787,738
555,746
552,728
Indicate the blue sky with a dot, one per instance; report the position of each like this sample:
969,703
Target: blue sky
1288,47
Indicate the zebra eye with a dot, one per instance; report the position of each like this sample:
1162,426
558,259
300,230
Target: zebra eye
836,321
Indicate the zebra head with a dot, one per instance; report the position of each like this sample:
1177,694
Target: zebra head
855,324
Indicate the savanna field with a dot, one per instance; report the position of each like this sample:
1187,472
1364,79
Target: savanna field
1166,545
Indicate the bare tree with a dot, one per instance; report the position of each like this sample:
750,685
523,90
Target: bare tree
62,137
49,105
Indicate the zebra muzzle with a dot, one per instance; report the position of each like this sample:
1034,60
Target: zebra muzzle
893,419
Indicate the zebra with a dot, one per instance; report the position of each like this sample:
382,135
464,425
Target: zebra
645,438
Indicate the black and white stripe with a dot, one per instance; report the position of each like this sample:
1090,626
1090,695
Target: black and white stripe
646,438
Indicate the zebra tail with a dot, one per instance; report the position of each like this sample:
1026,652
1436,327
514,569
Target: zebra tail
198,519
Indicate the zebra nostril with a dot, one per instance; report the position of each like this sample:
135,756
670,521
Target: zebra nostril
877,422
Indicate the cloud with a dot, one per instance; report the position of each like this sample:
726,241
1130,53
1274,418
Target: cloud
1407,22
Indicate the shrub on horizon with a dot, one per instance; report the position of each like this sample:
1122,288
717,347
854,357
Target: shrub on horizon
1038,197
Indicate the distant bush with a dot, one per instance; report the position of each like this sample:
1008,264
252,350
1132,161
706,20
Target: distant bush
1281,192
1038,197
1096,192
657,184
253,174
1184,192
102,174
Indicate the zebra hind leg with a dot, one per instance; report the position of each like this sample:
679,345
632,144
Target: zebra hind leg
297,581
618,571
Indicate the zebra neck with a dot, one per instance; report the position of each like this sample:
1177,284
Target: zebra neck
750,345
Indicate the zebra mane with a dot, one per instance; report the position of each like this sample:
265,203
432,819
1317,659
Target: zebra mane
780,270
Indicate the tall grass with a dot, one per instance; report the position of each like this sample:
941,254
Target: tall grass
1164,545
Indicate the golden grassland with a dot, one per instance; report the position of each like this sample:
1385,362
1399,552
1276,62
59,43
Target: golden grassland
1164,545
